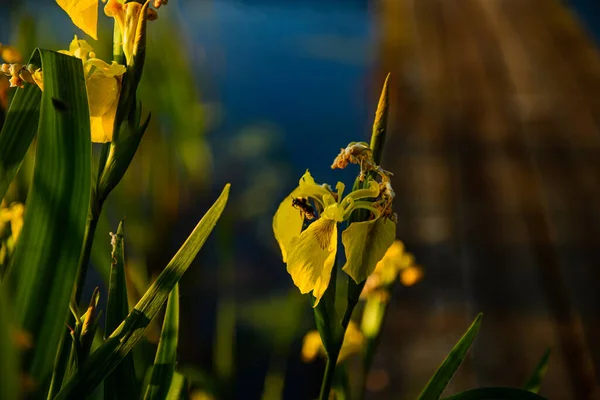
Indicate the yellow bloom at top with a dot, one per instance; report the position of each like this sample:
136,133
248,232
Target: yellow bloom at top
103,84
83,13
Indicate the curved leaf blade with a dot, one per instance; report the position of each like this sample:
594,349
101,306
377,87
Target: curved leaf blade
122,383
126,336
496,393
166,354
534,382
446,370
44,265
17,133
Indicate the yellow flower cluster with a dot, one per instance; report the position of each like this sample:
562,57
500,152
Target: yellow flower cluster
396,262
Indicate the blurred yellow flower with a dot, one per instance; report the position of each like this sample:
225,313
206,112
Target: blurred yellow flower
103,84
12,215
9,54
312,346
396,261
83,13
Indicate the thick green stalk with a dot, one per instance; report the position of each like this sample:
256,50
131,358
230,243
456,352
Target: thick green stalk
354,290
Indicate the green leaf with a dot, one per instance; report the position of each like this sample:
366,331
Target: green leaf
125,337
365,244
495,393
9,362
535,381
45,262
18,130
444,373
122,382
178,388
166,354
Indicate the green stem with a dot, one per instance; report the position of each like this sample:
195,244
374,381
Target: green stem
332,357
84,260
328,377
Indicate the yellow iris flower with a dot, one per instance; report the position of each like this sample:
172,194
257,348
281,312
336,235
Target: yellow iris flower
310,254
103,84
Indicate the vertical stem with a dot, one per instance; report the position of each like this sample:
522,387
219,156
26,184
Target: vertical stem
328,377
84,260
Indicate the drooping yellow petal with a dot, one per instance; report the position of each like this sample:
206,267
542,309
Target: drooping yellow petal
312,256
287,223
83,13
103,94
366,243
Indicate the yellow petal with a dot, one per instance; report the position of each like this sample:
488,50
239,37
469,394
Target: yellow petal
83,13
287,223
365,244
411,275
311,346
103,95
309,188
312,256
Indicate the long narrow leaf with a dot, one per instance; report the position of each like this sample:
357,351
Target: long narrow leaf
178,389
534,382
125,337
121,383
18,131
9,363
166,354
445,372
45,262
496,393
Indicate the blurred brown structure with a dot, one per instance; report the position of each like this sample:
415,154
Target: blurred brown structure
495,143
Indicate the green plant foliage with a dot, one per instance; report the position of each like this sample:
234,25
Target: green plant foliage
17,133
45,262
166,354
122,340
535,381
446,370
9,364
121,383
